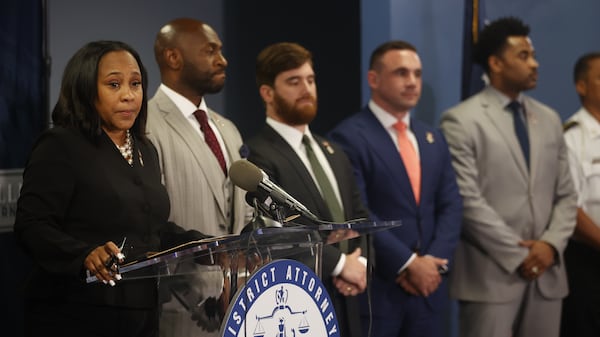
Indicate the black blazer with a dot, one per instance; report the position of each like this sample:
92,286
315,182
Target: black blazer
77,195
270,152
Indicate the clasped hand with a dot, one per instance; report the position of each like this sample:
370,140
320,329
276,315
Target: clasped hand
422,276
353,278
100,263
540,258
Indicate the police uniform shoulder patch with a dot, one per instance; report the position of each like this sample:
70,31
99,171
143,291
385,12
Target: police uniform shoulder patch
569,124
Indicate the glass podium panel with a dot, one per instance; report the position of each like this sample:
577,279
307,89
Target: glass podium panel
197,280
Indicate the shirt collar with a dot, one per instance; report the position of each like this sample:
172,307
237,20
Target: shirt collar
291,135
386,119
184,105
503,99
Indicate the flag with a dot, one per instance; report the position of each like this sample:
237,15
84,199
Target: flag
472,73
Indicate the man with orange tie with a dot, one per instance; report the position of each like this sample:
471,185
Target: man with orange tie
404,171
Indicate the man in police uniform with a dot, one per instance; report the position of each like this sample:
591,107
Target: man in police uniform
581,309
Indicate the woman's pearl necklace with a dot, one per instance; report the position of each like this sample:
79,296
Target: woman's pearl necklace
127,149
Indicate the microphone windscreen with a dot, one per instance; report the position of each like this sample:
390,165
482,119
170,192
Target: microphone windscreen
245,175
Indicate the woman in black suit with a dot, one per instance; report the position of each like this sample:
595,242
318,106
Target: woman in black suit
90,181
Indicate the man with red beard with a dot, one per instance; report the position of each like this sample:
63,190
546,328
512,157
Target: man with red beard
312,170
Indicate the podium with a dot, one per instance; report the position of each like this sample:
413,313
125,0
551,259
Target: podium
204,284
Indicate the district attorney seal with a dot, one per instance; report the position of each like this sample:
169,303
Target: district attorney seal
283,298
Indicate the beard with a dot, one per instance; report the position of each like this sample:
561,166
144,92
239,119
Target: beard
292,114
202,82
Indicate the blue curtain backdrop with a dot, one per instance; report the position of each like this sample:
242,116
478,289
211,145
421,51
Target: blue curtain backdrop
22,117
22,110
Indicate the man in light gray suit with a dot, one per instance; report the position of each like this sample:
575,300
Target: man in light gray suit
519,200
195,147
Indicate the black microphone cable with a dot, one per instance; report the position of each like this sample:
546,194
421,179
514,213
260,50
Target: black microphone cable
369,279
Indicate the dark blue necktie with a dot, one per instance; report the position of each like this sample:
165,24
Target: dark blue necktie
520,128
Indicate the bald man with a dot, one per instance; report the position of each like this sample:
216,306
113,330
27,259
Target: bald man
195,146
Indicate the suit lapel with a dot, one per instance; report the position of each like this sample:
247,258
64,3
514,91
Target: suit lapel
230,138
536,133
337,168
200,151
383,146
425,141
304,177
502,121
227,135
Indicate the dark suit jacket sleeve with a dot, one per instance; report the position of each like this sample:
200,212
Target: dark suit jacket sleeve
48,185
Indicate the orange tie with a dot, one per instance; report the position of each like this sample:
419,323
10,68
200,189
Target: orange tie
410,159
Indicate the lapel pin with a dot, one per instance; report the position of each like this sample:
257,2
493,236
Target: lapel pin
328,147
429,137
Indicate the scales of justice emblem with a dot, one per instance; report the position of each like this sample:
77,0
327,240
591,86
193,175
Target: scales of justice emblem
284,298
284,314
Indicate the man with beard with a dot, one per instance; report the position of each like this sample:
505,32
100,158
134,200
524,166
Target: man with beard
311,169
513,173
404,171
195,147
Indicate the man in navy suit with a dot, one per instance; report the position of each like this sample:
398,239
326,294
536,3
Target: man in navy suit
404,171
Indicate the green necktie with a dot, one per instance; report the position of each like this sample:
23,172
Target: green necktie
326,189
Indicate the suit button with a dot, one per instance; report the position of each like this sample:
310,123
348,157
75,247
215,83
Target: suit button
222,227
137,181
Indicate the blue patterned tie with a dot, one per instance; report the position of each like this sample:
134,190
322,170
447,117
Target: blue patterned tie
520,128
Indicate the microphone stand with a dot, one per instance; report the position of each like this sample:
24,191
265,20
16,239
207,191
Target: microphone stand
263,217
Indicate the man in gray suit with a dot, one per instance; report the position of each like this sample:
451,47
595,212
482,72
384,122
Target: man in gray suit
519,200
195,147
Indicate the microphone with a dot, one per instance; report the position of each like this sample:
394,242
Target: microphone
250,178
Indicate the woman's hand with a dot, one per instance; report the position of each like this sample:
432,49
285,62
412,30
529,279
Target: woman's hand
102,263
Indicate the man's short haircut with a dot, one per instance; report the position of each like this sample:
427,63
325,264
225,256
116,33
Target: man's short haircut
493,38
378,53
277,58
582,66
